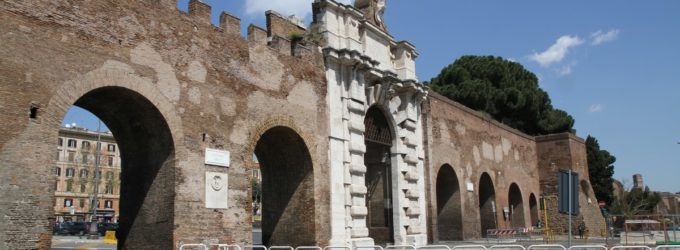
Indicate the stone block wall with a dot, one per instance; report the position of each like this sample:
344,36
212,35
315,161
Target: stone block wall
474,144
566,151
169,84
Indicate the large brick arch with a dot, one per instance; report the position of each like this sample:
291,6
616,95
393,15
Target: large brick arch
290,211
149,134
487,200
516,205
449,204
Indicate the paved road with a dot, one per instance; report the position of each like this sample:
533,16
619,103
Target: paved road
76,242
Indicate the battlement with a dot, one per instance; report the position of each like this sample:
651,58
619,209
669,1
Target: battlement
282,34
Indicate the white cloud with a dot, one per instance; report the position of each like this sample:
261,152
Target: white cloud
557,51
566,69
600,37
299,8
596,108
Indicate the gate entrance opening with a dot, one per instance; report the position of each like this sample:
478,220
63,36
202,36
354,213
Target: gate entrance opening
449,220
516,206
147,161
487,203
378,139
288,209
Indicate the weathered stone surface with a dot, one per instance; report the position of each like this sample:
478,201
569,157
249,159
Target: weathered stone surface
170,84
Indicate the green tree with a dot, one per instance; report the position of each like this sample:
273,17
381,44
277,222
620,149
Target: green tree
637,201
601,170
257,190
504,90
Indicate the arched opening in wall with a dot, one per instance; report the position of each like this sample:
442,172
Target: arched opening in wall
378,139
516,205
487,204
123,183
533,210
449,213
287,198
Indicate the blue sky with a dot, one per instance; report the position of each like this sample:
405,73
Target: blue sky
613,65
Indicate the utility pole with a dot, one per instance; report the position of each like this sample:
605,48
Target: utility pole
94,233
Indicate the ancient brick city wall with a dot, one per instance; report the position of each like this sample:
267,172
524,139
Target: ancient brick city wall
473,144
165,80
563,152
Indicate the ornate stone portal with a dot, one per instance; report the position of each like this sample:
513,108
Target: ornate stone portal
366,68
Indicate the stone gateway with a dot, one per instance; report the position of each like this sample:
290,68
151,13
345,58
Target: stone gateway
353,150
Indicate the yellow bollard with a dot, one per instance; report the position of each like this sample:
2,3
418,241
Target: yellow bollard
110,237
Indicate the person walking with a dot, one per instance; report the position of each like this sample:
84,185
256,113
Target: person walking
581,229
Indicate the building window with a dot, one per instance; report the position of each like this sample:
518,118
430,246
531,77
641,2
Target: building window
112,147
58,154
108,204
68,202
86,158
71,143
71,156
83,187
70,172
57,171
109,189
110,161
69,186
109,175
60,142
85,145
84,173
81,203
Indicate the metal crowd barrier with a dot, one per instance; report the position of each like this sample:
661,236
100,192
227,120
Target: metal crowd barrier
201,246
470,247
402,247
426,247
631,247
226,246
494,247
597,247
434,247
369,247
547,246
308,248
666,247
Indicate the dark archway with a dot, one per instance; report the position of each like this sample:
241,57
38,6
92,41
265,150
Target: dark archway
378,139
487,203
147,155
288,208
449,213
533,209
516,204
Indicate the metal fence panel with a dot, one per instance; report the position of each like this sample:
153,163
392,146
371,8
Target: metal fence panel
631,247
196,246
400,247
507,247
546,246
434,247
226,246
470,247
597,247
666,247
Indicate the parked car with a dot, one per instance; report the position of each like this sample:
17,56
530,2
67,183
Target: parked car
71,228
106,226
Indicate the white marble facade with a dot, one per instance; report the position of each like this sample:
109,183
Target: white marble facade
365,66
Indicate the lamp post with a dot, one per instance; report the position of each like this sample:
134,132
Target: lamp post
94,204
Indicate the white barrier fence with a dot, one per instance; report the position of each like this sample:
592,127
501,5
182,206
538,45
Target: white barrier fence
199,246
